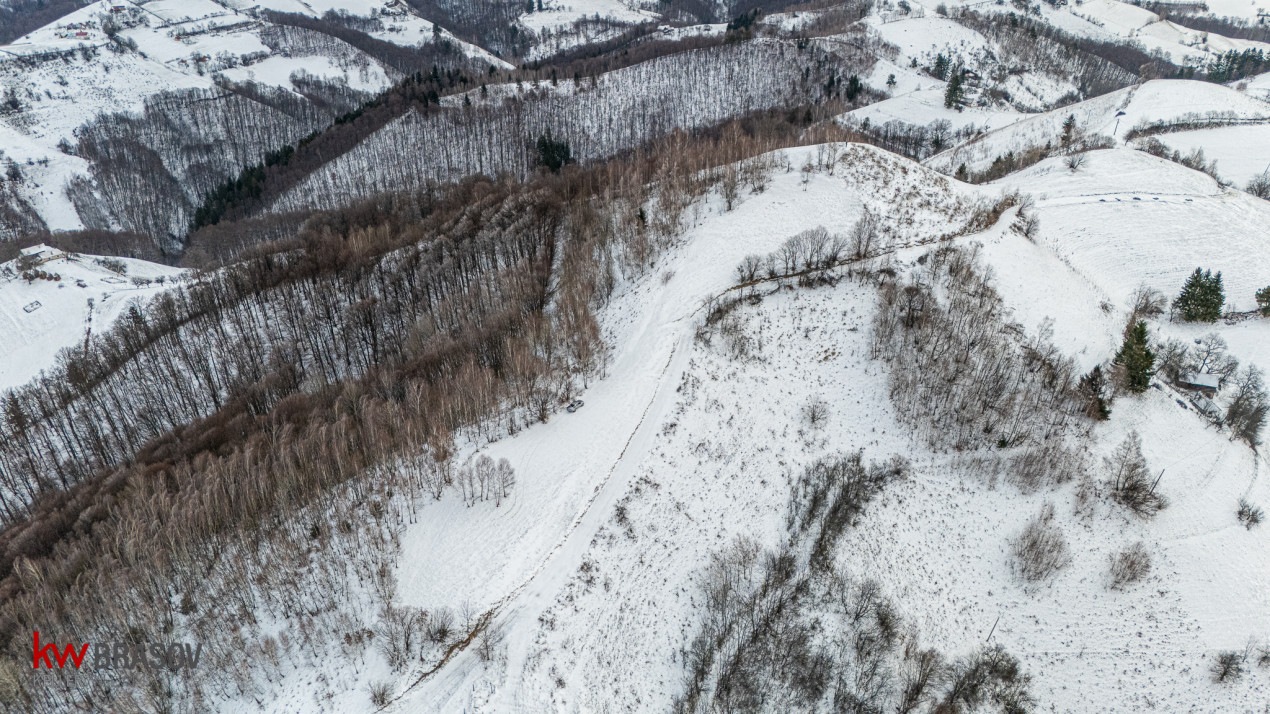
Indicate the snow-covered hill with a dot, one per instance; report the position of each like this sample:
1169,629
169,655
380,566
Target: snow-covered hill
41,317
1113,116
589,576
112,57
698,449
582,587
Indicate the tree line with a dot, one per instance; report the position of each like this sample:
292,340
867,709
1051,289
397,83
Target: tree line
614,113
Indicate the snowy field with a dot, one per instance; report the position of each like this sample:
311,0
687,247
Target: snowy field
1112,115
1128,218
1242,152
63,316
1136,24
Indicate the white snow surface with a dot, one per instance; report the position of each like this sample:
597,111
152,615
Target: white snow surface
1111,115
29,341
1242,152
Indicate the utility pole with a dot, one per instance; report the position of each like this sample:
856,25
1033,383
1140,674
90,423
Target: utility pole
994,629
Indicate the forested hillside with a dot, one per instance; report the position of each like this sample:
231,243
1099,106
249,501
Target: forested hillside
691,356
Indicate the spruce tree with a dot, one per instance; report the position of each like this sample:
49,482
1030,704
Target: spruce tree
1263,300
1201,298
1094,387
952,97
1138,360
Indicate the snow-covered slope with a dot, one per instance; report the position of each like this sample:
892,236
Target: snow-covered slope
588,575
1112,115
519,558
1181,44
1127,218
1242,152
682,448
70,72
89,296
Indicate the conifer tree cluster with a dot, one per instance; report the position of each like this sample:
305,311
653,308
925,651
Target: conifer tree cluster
553,154
1201,298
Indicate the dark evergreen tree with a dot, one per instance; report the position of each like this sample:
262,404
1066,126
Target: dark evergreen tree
1201,298
941,67
1263,300
955,93
1069,130
1095,388
1138,360
854,87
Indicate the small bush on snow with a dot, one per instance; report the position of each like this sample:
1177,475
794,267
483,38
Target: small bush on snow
816,411
1228,667
1130,481
380,693
1248,514
1040,551
1129,565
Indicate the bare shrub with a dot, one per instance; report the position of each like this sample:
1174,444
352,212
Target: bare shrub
816,411
1228,667
991,675
440,625
1146,303
1040,551
1029,224
1129,480
1129,565
1087,496
1075,162
380,693
749,268
487,643
1248,409
863,235
402,633
1248,514
1259,186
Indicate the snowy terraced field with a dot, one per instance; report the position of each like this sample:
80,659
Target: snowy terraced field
1111,115
1127,218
